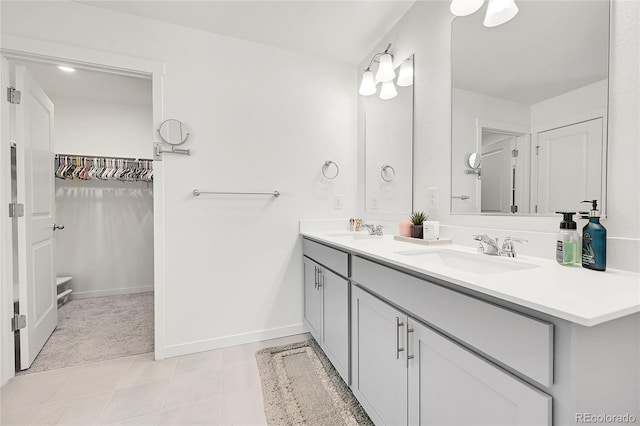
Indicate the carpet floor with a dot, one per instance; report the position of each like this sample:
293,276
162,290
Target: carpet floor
97,329
301,387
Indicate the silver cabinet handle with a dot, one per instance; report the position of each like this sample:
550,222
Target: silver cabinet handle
409,330
315,284
320,276
58,227
398,348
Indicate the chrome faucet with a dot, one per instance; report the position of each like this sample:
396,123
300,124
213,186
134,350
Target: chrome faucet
490,246
487,245
373,229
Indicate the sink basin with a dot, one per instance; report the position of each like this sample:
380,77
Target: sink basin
469,262
355,236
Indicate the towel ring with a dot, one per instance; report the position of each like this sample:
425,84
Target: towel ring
383,172
325,167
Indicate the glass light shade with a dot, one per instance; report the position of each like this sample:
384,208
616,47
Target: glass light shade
465,7
388,90
499,12
405,76
385,70
368,84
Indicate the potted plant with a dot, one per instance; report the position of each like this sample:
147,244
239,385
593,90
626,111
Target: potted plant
416,219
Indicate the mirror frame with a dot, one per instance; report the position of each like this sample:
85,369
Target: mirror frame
182,128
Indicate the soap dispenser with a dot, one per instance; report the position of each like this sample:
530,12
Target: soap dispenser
568,243
594,241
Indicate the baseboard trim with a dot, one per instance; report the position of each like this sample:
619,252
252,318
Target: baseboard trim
113,292
237,339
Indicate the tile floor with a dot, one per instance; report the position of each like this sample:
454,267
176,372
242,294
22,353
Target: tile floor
220,387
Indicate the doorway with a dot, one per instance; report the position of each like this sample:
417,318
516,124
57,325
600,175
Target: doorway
102,191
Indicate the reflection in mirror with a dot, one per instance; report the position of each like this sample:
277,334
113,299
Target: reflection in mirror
173,132
530,98
389,151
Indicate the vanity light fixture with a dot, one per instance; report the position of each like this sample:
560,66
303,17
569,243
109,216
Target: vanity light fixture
385,72
498,11
385,75
368,84
465,7
66,69
388,90
405,76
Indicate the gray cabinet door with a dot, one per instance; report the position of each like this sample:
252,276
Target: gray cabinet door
312,298
335,320
379,370
449,385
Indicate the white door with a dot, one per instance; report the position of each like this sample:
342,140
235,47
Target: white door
569,166
37,290
497,175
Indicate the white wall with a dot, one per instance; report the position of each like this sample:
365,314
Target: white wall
107,243
426,30
103,128
570,107
261,118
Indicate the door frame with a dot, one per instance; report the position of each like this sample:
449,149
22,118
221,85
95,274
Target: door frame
21,48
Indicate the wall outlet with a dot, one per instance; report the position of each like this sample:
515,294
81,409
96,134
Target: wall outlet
337,202
374,203
432,198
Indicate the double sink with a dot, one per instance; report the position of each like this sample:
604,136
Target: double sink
476,263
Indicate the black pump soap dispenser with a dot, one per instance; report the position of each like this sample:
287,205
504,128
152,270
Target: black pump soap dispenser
594,241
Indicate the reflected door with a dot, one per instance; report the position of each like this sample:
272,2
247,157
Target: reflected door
497,176
569,166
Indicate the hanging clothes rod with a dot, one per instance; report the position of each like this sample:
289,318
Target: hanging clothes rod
197,193
89,157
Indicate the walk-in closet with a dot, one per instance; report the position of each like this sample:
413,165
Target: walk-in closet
102,170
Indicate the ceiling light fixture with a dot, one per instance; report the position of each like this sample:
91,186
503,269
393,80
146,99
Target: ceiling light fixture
66,69
498,11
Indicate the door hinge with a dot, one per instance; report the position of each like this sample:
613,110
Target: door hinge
514,153
16,210
13,95
18,322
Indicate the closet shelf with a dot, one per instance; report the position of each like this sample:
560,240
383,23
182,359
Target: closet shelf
62,280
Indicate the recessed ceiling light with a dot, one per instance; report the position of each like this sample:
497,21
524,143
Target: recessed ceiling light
66,69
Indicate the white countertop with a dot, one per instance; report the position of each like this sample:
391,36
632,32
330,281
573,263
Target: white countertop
572,293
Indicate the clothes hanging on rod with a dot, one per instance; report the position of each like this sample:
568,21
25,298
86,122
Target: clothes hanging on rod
78,167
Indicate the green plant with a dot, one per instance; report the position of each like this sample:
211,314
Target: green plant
418,217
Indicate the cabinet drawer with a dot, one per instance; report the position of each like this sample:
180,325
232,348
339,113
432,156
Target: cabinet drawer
336,260
520,342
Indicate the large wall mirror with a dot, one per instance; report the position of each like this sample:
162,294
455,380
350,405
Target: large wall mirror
529,109
389,152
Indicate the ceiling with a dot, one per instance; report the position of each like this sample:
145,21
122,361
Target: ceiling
340,30
549,48
91,85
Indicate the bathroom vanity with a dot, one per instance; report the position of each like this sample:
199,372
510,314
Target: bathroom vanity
447,336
